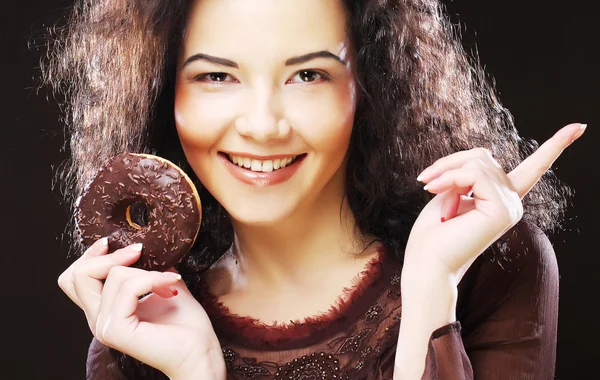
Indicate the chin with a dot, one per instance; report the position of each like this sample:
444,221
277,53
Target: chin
258,214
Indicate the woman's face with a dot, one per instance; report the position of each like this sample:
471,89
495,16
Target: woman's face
265,103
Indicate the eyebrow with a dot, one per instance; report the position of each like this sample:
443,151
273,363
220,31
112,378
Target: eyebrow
289,62
311,56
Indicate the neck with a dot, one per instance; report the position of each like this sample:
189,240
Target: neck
293,251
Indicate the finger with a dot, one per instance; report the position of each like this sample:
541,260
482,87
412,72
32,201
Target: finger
99,248
120,297
490,196
119,276
66,281
466,178
98,268
526,175
88,279
450,205
454,196
115,278
171,290
457,160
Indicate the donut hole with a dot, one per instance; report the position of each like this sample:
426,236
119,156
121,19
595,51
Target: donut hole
137,215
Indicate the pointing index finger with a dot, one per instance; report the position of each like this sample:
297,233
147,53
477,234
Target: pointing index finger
526,175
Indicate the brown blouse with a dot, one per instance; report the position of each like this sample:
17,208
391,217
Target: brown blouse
506,329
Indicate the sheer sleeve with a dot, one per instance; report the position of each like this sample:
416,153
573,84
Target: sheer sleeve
105,363
446,356
102,363
508,312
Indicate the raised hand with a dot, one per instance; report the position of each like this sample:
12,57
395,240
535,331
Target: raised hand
476,202
167,329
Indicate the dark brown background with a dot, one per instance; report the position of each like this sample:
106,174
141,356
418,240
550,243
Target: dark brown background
544,59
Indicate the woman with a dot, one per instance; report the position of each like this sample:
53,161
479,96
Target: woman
312,127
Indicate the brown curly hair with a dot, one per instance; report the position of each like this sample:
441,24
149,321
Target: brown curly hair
112,66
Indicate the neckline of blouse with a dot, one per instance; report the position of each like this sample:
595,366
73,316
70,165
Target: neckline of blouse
253,333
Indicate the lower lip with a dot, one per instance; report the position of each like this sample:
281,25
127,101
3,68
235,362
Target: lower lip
261,178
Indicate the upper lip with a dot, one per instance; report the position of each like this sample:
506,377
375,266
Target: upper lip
260,157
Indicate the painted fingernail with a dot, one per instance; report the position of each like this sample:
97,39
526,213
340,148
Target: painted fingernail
426,187
578,134
137,247
173,290
443,219
104,241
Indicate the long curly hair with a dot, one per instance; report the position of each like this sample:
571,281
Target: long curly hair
111,68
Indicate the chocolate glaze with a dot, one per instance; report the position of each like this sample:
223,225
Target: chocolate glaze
173,205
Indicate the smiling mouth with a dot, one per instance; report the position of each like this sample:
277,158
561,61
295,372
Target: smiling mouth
262,166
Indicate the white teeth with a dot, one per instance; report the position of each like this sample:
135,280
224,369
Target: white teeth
267,166
260,165
256,166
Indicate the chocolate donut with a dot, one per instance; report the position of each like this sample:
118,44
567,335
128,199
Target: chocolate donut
156,192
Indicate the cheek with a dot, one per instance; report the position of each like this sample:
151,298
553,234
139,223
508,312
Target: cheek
326,121
200,120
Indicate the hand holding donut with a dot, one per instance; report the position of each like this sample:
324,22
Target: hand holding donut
453,229
168,329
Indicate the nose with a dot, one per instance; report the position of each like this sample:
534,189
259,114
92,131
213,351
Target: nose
263,121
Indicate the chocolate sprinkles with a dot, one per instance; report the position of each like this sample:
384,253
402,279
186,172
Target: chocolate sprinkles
128,180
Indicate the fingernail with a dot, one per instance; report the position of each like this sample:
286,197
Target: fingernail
104,241
420,177
582,128
426,187
132,250
443,219
172,275
173,290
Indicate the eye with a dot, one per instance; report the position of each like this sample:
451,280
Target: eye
307,76
213,77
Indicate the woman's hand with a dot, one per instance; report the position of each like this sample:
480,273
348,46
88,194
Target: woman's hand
476,202
167,329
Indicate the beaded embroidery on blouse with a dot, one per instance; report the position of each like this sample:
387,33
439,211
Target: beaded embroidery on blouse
348,342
